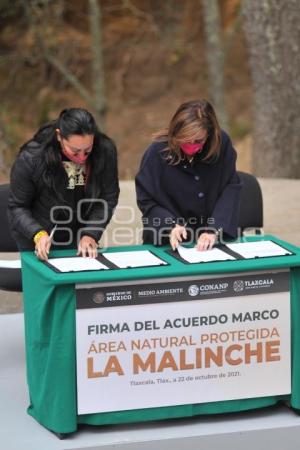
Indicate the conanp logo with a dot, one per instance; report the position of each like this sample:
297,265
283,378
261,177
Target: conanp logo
193,290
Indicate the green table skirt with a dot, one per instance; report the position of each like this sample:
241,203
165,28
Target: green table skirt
49,311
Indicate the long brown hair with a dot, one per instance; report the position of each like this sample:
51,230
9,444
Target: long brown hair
185,126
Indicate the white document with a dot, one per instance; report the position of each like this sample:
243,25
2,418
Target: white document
192,255
10,263
258,249
76,264
139,258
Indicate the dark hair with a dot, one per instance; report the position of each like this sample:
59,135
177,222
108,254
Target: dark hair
189,119
72,121
76,121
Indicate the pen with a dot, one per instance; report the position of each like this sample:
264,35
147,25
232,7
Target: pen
52,233
50,237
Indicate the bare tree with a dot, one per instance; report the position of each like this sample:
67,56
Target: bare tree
273,34
215,57
96,96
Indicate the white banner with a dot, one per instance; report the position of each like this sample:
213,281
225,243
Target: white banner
182,352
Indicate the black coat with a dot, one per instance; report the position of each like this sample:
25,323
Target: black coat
30,200
204,194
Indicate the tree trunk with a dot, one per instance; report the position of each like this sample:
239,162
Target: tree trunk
98,78
215,57
3,149
273,34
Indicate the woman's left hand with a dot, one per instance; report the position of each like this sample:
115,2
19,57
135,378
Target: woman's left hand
206,241
88,247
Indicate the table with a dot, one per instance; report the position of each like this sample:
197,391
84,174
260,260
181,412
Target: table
49,312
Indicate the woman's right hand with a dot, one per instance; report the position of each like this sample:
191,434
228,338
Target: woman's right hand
42,247
176,236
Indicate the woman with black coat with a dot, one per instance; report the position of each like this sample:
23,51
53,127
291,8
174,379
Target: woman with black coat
187,186
64,178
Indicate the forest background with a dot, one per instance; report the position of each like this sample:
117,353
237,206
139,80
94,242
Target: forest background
132,62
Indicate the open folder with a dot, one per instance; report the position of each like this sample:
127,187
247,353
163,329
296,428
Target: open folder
105,261
234,251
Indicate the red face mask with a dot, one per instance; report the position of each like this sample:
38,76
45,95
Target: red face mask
78,159
191,149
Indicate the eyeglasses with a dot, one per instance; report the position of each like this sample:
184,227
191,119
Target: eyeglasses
76,151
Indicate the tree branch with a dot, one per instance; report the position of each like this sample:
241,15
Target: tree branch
72,79
32,15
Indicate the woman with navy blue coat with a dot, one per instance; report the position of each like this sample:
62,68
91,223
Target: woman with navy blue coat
187,186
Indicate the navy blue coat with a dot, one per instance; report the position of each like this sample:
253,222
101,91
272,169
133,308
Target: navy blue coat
201,194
